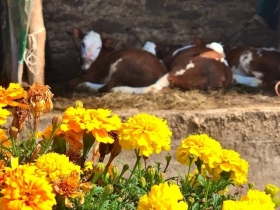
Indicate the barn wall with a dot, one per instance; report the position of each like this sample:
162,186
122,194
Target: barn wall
168,21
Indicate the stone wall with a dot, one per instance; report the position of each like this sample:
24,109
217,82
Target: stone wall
167,21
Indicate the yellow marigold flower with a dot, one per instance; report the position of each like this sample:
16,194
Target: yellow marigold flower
272,190
145,132
97,121
3,115
163,197
230,161
100,122
73,119
56,166
200,146
255,200
12,93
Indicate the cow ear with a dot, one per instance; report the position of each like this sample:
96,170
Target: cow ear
78,33
197,41
108,42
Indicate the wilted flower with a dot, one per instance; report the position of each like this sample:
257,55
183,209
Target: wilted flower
19,116
40,98
146,133
164,197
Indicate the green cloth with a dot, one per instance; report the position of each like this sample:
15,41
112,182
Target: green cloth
20,12
267,10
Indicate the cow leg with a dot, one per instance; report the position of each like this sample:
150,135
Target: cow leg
158,86
88,86
245,80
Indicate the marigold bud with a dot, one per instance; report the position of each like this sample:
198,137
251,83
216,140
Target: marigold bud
109,189
272,190
168,158
151,171
119,199
251,185
78,104
142,182
99,168
115,171
193,194
57,120
125,168
13,131
203,200
191,200
276,201
161,177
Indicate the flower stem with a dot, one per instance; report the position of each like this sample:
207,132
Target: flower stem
35,124
206,194
136,163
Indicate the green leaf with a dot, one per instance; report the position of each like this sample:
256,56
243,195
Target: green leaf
88,140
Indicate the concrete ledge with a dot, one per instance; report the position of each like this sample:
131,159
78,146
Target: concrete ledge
253,132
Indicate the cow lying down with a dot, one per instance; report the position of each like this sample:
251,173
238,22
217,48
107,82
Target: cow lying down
138,71
105,68
254,67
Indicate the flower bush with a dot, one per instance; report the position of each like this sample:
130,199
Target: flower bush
62,167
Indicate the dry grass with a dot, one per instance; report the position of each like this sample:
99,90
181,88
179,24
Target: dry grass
169,99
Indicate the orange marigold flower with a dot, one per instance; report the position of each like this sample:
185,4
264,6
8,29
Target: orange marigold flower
69,187
12,93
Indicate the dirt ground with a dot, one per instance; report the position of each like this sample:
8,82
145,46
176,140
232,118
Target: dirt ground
237,96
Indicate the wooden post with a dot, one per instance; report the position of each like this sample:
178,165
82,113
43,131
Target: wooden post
35,54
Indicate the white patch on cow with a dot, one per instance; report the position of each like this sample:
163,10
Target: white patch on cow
150,47
245,60
217,47
182,71
112,70
180,49
88,86
91,46
127,89
268,49
159,85
259,52
245,80
224,61
238,71
257,74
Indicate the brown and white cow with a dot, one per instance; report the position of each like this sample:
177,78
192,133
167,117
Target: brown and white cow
106,68
197,66
254,67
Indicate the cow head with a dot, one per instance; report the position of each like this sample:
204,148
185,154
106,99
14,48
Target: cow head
91,44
